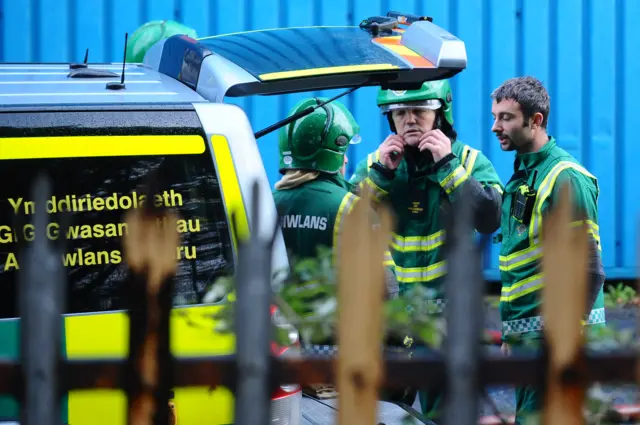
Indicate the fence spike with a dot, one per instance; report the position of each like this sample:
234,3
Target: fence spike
564,265
253,328
360,326
41,292
150,251
464,314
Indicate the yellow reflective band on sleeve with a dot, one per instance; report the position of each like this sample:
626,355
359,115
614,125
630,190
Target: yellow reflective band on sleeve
417,243
373,157
347,204
283,75
520,258
421,274
376,191
522,288
455,179
498,188
592,229
465,153
99,146
469,160
230,187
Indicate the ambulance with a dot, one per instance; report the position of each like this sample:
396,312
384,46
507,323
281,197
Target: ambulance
98,129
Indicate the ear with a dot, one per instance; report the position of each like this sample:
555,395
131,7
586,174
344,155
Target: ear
536,120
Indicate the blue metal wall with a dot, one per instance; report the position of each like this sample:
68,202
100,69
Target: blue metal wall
581,49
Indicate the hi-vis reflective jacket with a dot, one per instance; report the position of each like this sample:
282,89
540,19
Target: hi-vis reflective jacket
415,194
541,175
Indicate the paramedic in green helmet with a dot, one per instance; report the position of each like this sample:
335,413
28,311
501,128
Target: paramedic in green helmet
313,195
312,198
520,110
418,168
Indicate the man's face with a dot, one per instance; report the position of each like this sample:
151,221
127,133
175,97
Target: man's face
411,123
512,130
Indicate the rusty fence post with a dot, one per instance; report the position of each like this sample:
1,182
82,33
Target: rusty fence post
253,327
360,292
464,315
564,264
150,251
41,292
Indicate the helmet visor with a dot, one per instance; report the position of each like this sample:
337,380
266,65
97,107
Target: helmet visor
355,139
422,104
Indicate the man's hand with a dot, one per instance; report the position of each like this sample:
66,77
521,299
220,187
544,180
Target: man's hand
392,144
436,142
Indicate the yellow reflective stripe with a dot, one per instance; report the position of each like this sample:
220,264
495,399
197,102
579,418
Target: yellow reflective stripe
378,192
417,243
520,258
455,179
592,229
469,156
230,187
465,152
370,160
469,161
528,255
544,191
326,71
346,205
388,259
98,146
522,288
421,274
534,252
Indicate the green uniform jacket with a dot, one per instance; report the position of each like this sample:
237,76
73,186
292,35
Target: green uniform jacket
521,249
415,194
311,213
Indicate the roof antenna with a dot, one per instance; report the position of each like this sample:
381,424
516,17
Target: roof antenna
81,65
114,85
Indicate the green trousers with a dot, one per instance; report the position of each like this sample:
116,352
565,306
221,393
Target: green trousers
530,399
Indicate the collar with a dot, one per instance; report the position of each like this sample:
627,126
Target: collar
337,179
422,163
530,160
416,160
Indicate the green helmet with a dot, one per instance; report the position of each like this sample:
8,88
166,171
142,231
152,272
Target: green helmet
432,95
319,140
150,33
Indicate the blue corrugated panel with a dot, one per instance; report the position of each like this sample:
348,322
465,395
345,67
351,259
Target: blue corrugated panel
581,50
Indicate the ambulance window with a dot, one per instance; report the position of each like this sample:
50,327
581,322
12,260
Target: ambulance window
99,191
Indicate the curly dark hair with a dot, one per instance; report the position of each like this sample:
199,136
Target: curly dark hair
529,93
